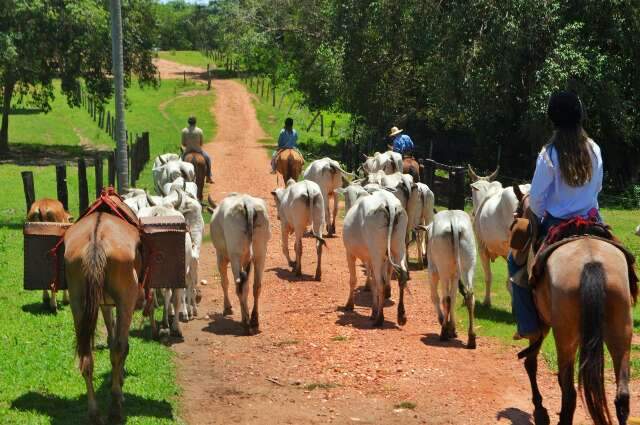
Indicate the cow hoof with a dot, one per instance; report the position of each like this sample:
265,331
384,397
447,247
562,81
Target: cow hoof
253,330
228,311
183,317
198,296
440,319
176,333
487,302
162,333
444,334
292,264
402,320
387,292
541,416
471,343
318,277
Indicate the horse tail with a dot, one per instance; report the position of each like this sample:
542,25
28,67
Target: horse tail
290,165
591,372
94,262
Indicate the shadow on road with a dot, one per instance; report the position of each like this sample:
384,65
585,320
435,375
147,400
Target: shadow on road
290,276
515,415
224,325
40,309
360,321
433,340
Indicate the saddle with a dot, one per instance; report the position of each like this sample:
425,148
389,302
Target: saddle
534,252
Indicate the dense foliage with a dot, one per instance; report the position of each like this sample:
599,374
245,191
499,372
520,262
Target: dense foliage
471,75
68,39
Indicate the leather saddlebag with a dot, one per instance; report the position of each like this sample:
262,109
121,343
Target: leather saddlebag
39,268
163,240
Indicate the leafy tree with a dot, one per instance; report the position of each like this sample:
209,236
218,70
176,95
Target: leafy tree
68,39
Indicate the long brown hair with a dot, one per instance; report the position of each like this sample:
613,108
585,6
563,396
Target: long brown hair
574,154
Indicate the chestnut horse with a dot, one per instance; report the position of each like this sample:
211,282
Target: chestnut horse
289,163
411,166
50,210
585,297
200,167
103,265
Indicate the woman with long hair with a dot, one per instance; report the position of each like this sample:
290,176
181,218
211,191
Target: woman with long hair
566,183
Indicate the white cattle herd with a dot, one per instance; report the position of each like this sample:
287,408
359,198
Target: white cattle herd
385,211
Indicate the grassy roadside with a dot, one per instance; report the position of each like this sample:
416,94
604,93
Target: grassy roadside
39,378
186,57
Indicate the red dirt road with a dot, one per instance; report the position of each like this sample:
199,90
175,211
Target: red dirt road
315,364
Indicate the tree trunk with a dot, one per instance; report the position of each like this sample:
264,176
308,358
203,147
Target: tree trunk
6,106
122,161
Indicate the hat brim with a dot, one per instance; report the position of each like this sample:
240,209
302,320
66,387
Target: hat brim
395,133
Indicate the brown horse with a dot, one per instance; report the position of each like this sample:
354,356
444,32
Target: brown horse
50,210
200,166
411,166
289,163
103,265
585,298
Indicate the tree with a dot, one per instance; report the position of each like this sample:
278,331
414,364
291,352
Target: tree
41,40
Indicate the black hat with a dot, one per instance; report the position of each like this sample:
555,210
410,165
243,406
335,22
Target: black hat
565,109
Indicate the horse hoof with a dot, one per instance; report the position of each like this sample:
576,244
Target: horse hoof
183,317
366,288
378,322
540,416
228,311
176,333
471,343
402,320
387,292
348,306
444,334
292,264
318,277
94,418
116,418
163,333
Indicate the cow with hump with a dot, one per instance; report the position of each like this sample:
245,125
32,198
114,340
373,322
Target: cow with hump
451,252
50,210
300,205
374,232
493,209
240,232
327,173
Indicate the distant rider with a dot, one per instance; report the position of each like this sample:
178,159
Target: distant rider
192,140
402,143
566,183
288,139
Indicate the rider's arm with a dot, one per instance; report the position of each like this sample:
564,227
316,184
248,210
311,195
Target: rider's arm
201,137
542,182
281,140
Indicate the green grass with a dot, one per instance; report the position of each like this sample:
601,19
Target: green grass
286,342
340,338
406,405
320,385
39,378
497,321
186,57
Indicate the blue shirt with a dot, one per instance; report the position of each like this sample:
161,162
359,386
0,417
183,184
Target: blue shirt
549,193
402,143
287,140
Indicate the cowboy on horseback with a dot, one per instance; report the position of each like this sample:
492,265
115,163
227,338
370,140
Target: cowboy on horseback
192,140
402,143
566,183
288,139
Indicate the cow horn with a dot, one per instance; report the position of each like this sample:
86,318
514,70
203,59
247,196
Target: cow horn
364,155
518,192
491,177
162,160
472,174
184,184
150,201
178,202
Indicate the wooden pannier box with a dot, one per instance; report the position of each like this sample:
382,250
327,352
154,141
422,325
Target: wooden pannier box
39,270
163,240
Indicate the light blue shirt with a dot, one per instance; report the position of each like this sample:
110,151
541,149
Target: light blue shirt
287,140
549,193
402,143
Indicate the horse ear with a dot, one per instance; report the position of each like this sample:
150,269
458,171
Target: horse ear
518,192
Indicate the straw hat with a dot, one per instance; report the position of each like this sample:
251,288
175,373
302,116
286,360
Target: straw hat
395,131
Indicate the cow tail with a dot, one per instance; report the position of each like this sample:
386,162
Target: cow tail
392,221
94,263
313,203
591,372
464,287
249,217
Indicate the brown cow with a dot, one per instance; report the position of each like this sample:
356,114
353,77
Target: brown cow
411,166
103,264
50,210
289,163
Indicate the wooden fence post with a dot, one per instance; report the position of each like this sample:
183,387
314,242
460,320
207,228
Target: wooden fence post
273,97
208,77
333,125
456,194
83,188
111,165
108,123
321,125
61,185
99,179
145,147
313,121
429,173
29,190
184,76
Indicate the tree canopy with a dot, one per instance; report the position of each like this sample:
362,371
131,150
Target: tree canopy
474,73
67,39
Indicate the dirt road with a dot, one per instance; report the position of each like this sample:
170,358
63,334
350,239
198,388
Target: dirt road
315,364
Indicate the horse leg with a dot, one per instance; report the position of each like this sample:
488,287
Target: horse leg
351,263
107,315
540,414
119,352
618,340
258,267
488,277
65,297
223,262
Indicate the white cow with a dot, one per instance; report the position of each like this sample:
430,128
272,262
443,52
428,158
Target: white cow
351,194
422,216
300,205
169,171
139,201
329,176
389,162
168,209
374,231
451,252
240,232
493,209
180,183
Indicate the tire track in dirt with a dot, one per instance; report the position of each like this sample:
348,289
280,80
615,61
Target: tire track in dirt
315,364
